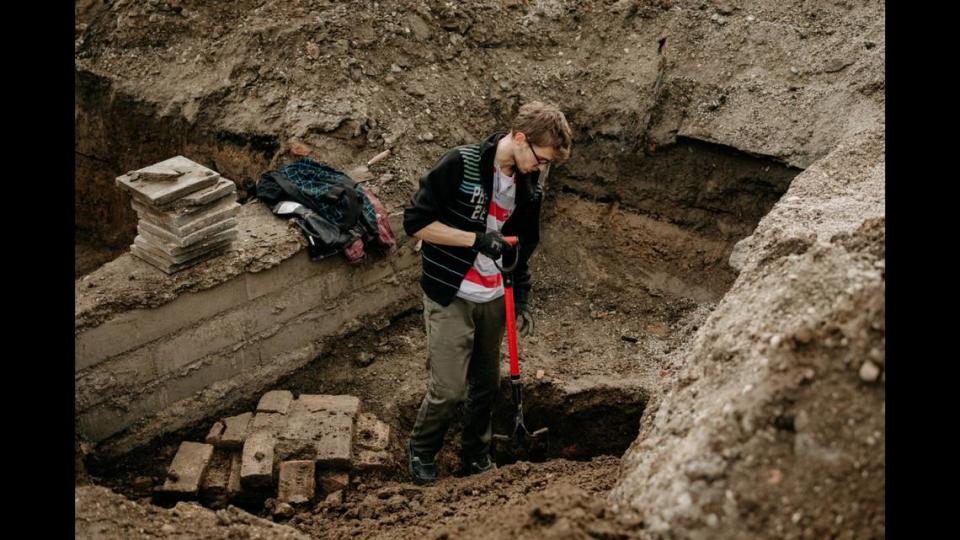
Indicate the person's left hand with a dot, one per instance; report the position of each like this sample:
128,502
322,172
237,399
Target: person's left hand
524,320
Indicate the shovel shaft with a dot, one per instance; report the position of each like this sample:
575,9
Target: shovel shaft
512,334
511,320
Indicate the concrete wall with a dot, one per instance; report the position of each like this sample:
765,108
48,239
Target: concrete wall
144,372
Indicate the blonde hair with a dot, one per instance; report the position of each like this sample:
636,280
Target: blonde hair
544,125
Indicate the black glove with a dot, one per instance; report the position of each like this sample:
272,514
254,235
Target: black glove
524,320
491,244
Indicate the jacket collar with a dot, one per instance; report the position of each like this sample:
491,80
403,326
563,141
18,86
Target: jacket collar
488,150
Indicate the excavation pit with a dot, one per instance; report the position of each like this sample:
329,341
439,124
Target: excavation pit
628,268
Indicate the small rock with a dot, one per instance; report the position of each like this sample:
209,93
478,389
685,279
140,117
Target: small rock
775,476
712,520
869,372
775,340
428,136
395,68
796,517
540,373
223,519
751,18
283,510
505,86
168,528
794,70
803,335
363,359
835,65
389,79
313,51
334,498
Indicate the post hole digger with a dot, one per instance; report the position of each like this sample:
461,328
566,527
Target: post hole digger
520,442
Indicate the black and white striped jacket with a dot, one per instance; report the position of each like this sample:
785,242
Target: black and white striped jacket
456,192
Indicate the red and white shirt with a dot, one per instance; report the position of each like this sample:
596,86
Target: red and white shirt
484,282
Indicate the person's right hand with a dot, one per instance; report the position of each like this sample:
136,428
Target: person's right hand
491,244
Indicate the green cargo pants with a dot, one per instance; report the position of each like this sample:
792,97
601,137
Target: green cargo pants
463,354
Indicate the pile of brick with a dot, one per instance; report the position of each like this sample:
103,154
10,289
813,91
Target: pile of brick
187,213
297,445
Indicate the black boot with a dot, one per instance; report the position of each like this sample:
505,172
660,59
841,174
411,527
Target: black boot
422,469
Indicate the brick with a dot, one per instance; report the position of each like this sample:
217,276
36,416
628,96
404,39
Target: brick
372,434
367,460
327,422
271,422
215,482
233,483
297,482
333,481
236,430
215,433
341,404
256,469
188,468
276,401
193,177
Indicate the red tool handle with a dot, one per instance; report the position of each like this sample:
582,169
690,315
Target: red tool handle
511,320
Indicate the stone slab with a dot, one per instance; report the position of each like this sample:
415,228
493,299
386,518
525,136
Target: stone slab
205,233
171,268
175,255
223,188
193,177
184,225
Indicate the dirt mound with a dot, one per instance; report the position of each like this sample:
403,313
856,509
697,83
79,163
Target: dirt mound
101,513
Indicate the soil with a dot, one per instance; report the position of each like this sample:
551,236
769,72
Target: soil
678,387
602,318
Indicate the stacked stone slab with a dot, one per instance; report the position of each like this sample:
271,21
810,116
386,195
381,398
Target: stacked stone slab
304,447
187,213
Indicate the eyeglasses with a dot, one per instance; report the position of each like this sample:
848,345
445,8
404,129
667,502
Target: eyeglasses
540,160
